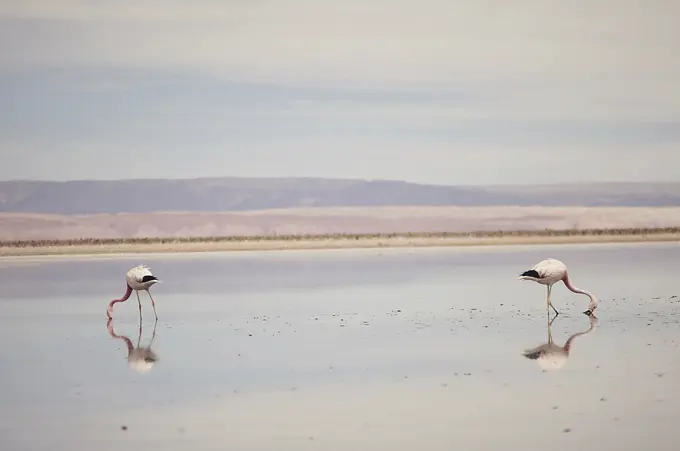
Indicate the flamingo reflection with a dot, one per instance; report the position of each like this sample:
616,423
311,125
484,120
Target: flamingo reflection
551,356
140,359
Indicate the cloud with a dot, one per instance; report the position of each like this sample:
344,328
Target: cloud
600,58
317,81
400,40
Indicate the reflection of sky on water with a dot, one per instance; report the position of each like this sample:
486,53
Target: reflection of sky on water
425,345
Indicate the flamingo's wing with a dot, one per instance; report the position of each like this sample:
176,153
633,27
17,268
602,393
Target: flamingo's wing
537,352
549,268
138,272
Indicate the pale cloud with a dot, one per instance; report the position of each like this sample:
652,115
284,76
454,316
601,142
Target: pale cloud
398,40
599,58
316,84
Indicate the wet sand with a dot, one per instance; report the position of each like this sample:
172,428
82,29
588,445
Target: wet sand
363,349
330,243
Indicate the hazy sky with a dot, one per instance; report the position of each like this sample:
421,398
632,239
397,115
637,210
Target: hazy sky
443,91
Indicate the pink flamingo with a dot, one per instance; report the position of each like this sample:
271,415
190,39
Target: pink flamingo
551,356
140,359
550,271
138,278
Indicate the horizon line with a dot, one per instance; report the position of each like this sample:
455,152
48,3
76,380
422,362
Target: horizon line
343,179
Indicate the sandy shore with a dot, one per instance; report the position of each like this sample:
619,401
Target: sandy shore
340,243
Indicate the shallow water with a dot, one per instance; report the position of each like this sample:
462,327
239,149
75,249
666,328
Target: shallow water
368,349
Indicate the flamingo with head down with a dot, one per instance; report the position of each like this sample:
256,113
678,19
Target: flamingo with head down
138,279
551,356
140,359
550,271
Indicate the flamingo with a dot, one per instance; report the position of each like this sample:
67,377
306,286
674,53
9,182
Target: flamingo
550,271
138,278
551,356
140,359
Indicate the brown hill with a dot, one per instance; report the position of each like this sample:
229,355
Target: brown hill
232,194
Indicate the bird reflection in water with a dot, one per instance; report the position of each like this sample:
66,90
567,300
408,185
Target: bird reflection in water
140,359
551,356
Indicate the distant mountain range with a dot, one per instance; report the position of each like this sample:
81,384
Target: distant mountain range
232,194
270,206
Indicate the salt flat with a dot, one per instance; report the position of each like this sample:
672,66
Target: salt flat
368,349
331,220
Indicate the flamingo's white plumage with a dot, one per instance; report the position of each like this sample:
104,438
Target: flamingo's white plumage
550,271
140,278
137,278
140,359
551,356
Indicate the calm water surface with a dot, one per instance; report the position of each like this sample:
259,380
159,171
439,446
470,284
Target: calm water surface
333,350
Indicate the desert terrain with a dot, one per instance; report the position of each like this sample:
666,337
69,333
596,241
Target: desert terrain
160,246
320,221
211,209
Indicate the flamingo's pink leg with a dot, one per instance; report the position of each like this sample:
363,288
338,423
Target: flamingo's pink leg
153,304
139,301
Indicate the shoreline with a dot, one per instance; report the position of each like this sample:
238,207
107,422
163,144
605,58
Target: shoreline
325,244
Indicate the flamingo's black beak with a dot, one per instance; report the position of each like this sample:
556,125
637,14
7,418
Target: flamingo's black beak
588,312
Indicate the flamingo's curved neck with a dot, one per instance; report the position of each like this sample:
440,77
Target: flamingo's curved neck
567,345
128,342
125,297
568,284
